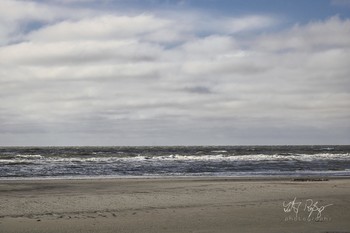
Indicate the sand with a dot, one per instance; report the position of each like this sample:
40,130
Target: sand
195,205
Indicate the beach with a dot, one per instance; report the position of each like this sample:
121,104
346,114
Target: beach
198,205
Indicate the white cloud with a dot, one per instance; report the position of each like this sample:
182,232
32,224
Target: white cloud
209,46
213,24
333,33
99,74
103,27
78,53
13,13
13,10
16,17
246,23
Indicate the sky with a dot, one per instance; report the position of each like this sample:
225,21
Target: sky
174,72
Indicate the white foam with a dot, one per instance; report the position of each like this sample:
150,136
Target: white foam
177,157
29,156
15,161
255,157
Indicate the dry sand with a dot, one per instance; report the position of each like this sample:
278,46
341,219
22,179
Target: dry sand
173,205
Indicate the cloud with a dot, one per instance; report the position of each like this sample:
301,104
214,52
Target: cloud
246,23
74,1
18,17
199,90
13,13
13,10
209,46
136,78
329,34
103,27
223,25
78,53
342,3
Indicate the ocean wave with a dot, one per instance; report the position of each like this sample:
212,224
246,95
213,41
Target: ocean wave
175,159
219,151
34,156
15,162
255,157
178,157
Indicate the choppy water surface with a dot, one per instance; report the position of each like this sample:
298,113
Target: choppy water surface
26,162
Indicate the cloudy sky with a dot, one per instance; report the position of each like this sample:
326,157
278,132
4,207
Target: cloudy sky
174,72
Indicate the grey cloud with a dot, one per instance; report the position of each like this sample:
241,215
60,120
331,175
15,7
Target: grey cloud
341,3
199,90
70,83
64,53
163,132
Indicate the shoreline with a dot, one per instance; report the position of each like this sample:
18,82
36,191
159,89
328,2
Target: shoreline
231,178
171,205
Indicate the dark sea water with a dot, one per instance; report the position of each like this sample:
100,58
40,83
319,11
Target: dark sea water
85,162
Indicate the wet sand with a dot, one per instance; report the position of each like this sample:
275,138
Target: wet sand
176,205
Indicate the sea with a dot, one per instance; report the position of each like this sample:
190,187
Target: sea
176,161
